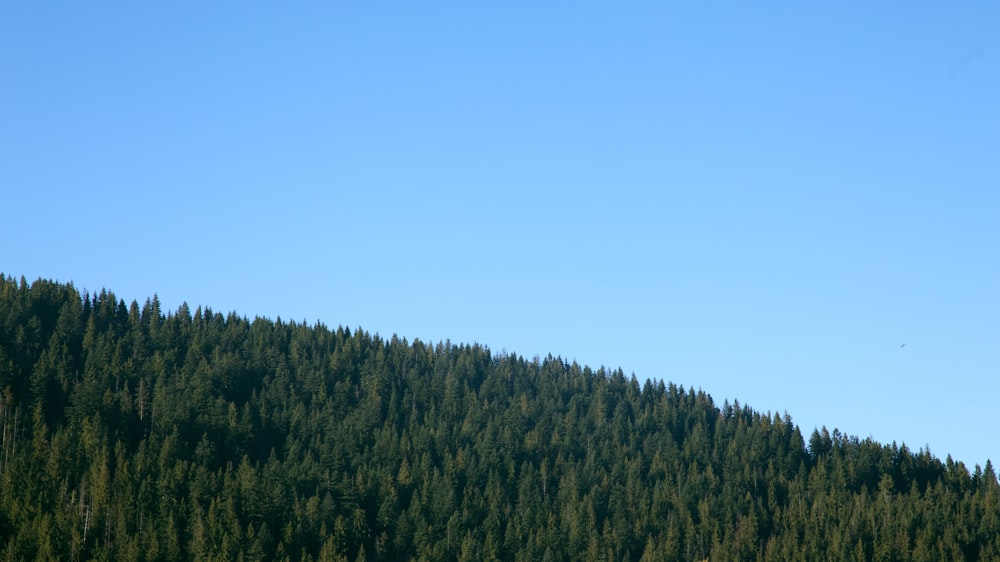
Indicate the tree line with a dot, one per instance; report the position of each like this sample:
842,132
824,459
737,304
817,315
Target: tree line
132,433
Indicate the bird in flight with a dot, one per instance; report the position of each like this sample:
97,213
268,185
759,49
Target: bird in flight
902,346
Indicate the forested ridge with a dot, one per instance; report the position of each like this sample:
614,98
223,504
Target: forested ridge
131,433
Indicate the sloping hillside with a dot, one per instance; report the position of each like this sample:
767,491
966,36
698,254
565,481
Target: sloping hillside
131,433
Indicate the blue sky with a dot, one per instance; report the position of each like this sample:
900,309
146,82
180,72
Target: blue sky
764,201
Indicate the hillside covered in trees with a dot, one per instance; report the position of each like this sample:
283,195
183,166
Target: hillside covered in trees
131,433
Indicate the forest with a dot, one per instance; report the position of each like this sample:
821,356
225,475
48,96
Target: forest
132,433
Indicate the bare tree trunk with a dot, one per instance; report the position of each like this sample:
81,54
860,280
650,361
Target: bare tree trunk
86,524
3,434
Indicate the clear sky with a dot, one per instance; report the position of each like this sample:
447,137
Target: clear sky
761,200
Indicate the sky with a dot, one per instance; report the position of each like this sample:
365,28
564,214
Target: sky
764,201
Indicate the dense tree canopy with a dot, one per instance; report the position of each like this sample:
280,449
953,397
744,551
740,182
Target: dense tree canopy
127,433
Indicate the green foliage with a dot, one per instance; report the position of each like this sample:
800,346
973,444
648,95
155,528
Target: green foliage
127,434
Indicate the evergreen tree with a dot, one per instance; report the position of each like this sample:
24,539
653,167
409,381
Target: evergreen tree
129,434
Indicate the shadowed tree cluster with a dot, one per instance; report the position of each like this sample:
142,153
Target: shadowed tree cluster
130,433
